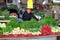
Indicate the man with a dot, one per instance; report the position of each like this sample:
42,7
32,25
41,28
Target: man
28,15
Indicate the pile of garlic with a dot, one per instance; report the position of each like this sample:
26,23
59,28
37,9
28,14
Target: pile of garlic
22,31
19,31
15,31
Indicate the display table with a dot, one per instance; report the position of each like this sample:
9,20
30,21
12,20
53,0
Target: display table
33,38
22,37
42,36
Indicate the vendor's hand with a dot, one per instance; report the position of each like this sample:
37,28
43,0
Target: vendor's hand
39,21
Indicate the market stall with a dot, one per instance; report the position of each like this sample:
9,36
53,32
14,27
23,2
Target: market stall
29,29
45,29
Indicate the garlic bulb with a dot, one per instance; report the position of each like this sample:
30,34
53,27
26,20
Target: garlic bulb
15,31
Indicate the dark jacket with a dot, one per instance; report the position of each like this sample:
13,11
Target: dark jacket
27,17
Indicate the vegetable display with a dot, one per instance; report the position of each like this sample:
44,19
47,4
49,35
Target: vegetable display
46,26
12,6
29,24
48,20
45,30
13,23
6,14
40,13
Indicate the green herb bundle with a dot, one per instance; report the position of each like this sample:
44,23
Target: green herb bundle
48,20
5,13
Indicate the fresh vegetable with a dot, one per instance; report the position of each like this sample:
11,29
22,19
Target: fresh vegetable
53,29
8,29
15,31
1,31
29,24
56,29
46,30
48,20
12,6
2,25
13,23
40,13
5,13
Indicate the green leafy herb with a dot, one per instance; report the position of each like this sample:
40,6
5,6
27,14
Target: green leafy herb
12,6
48,20
6,14
13,23
1,31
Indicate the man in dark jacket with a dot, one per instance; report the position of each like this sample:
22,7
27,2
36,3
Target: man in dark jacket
28,15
